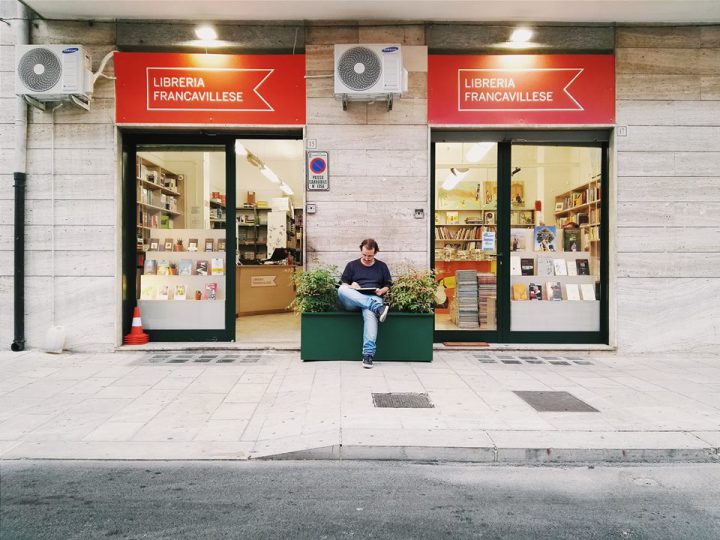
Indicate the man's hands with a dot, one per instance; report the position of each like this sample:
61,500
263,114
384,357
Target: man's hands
379,292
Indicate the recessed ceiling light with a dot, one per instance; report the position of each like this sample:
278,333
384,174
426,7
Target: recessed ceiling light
206,33
521,35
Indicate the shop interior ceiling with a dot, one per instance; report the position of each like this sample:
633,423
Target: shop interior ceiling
563,11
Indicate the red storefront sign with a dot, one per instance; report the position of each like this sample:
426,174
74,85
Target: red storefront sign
172,88
521,89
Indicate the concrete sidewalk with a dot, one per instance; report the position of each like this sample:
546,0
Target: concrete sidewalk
268,404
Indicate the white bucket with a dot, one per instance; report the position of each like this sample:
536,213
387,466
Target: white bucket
55,339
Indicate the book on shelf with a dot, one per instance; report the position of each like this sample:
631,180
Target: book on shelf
527,266
545,237
148,292
571,268
221,244
587,291
209,244
163,292
185,267
452,218
519,291
168,244
583,267
217,267
201,268
192,244
553,291
546,266
517,240
150,267
166,221
154,244
163,268
571,239
180,293
560,267
573,291
535,291
515,269
211,291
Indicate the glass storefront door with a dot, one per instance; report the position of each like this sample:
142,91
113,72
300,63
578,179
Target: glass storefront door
465,236
520,237
179,247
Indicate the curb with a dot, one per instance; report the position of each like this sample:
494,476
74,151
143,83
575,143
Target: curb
508,456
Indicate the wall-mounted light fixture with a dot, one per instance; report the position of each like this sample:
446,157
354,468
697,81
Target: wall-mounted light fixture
521,35
452,180
206,33
287,190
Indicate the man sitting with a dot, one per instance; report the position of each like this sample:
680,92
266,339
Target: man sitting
364,282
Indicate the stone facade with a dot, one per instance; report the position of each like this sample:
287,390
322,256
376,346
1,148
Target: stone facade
664,208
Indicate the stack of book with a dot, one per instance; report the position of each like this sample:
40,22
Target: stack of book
465,312
487,288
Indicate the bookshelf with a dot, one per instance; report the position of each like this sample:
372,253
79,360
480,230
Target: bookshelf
581,206
251,223
570,271
218,213
181,289
159,200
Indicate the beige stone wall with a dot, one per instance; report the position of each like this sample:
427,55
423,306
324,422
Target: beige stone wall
666,204
668,189
379,159
85,287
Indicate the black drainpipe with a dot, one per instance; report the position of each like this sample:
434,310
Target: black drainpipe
22,37
18,343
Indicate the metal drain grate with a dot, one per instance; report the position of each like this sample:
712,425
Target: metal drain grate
554,402
395,400
531,360
201,358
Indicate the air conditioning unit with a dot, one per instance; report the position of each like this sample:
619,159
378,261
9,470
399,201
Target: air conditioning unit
369,73
53,73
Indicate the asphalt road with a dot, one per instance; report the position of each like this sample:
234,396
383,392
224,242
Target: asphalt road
52,499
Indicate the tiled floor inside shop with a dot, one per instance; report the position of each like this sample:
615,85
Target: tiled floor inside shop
271,329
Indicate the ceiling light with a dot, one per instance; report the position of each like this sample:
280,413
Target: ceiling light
206,33
521,35
240,150
270,175
454,178
478,151
254,160
287,190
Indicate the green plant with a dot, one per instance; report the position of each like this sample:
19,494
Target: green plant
315,290
413,291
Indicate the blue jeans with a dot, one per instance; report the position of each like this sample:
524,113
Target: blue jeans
352,300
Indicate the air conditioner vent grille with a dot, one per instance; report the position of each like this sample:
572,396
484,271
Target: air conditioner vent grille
359,68
39,69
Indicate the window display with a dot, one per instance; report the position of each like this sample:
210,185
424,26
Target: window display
546,208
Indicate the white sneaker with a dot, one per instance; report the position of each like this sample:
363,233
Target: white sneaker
383,313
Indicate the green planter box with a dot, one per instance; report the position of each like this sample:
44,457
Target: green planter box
404,337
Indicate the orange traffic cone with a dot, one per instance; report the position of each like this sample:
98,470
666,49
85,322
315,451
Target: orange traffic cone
136,335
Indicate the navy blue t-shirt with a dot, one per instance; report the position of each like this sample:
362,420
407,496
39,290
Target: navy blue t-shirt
377,275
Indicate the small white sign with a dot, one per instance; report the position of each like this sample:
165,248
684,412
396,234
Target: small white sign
318,177
263,281
488,241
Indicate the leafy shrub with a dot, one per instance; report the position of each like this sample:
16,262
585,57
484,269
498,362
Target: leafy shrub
315,290
413,291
